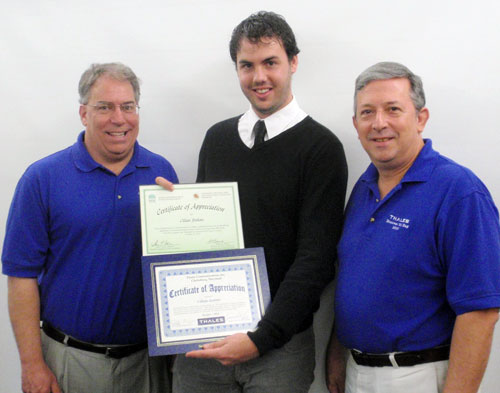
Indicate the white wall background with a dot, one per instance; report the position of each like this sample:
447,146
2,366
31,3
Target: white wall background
179,48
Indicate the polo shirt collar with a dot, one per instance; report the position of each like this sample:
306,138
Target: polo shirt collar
420,171
84,161
423,166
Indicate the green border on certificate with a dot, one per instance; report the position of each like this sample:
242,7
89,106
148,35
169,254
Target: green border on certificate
192,218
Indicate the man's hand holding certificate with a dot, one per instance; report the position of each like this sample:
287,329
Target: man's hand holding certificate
234,349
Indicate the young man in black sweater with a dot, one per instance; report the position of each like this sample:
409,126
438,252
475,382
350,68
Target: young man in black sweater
291,173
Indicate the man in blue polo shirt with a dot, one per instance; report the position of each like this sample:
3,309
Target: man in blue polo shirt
419,259
72,250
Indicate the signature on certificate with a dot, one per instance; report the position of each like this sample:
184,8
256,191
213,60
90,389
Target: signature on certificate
161,244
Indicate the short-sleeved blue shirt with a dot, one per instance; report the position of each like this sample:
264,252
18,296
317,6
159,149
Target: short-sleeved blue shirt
76,226
409,264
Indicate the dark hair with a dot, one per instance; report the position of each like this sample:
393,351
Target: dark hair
390,70
117,71
264,24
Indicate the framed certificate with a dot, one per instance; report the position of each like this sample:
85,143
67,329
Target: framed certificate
195,298
193,217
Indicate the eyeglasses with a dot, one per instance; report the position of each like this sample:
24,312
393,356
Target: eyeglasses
105,108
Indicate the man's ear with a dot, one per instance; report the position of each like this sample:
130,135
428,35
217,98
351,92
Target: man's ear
294,63
83,114
422,118
355,124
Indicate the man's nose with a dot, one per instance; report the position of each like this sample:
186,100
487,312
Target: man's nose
379,121
259,75
117,115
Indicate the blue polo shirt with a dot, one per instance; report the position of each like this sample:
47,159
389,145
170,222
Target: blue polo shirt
76,226
410,263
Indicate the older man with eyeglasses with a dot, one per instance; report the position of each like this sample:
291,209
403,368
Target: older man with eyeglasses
72,251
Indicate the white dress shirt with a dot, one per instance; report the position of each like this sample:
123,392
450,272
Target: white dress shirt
276,123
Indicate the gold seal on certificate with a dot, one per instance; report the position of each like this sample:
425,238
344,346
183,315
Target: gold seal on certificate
193,217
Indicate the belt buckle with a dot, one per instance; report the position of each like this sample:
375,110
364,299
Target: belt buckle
115,353
392,359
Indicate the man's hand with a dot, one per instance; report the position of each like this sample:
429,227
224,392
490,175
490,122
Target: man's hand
234,349
24,310
335,372
470,350
161,181
335,378
39,379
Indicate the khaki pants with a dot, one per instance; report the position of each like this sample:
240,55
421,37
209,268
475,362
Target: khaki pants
80,371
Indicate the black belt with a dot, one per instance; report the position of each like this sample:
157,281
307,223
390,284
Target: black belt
115,352
402,359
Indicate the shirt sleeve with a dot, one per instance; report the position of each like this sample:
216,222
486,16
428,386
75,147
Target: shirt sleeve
26,236
469,245
320,222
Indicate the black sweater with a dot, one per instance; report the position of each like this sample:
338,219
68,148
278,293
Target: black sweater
292,193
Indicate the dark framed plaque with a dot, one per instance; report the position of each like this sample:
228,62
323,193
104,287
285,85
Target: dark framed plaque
196,298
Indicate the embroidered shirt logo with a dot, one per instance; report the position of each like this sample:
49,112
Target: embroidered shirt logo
398,222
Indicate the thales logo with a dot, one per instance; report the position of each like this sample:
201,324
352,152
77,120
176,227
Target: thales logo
398,222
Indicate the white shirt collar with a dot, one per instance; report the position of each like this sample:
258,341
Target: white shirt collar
278,122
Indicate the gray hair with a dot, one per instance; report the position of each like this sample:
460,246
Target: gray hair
389,70
116,71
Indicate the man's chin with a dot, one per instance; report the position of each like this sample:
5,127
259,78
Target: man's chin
264,111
